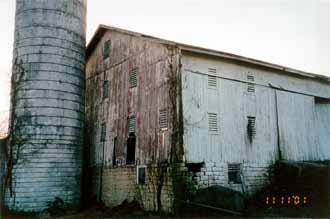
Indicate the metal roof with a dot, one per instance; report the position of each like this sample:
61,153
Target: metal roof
195,49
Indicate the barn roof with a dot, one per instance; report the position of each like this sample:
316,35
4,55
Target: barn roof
195,49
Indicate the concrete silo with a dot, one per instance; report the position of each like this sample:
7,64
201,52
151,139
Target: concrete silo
47,107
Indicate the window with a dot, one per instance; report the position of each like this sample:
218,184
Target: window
212,123
250,86
106,49
141,175
133,78
234,173
131,124
251,128
103,131
105,89
163,119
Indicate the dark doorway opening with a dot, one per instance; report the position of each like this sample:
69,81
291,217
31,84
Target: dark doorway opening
114,162
131,141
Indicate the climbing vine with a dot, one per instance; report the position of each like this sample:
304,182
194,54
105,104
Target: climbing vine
17,139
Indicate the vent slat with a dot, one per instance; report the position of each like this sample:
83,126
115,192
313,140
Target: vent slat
250,77
212,81
212,70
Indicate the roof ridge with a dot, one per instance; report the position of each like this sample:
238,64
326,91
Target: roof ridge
186,47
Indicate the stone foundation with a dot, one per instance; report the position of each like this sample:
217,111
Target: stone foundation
255,176
166,185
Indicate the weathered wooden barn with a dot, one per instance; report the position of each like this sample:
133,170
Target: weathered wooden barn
164,119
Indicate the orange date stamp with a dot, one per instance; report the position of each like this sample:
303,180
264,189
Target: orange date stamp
293,200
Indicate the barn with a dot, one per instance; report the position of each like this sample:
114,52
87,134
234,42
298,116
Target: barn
164,119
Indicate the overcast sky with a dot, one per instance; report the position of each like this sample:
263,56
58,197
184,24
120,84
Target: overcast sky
294,33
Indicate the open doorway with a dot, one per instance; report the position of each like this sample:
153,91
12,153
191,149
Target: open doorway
131,143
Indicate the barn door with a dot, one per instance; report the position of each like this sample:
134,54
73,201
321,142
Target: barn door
296,117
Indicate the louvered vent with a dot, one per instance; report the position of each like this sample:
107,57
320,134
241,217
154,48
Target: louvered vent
106,49
131,124
234,173
213,123
211,78
133,78
103,131
251,127
250,86
163,119
212,71
212,81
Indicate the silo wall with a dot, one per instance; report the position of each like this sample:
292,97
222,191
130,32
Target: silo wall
47,107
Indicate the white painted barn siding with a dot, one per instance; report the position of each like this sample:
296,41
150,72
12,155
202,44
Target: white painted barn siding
298,138
323,129
293,112
233,104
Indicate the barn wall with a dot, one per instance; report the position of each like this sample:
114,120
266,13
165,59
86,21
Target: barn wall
156,74
144,101
233,104
323,128
285,126
296,119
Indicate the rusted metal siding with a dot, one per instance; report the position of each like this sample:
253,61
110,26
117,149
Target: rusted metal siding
233,103
144,101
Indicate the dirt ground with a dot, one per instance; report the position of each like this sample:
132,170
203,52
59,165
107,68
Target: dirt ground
133,210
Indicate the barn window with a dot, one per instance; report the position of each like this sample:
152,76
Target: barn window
250,86
234,173
251,127
105,89
213,123
133,78
131,124
163,119
103,131
106,49
141,175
